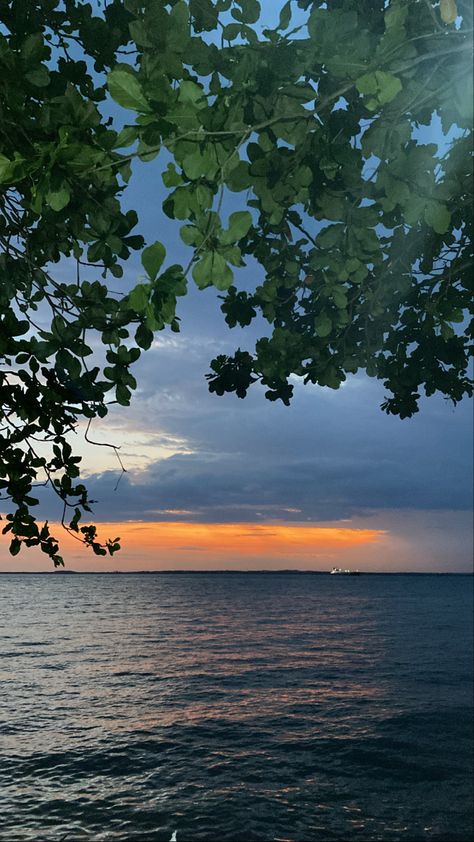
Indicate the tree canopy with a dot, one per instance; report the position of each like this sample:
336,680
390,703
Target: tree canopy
363,229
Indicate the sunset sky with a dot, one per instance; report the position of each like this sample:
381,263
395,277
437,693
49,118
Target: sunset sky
224,483
217,482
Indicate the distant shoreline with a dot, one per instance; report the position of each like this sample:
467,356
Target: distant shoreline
228,573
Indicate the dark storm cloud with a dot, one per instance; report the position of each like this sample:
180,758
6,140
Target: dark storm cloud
315,489
330,455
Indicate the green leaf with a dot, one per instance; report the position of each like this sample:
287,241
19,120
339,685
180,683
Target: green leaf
367,84
249,11
32,49
123,394
126,137
383,86
438,216
6,169
65,360
395,17
212,269
202,271
205,14
330,236
447,332
323,325
152,258
191,235
413,211
353,264
339,297
204,196
143,337
171,178
388,86
285,16
125,88
231,31
398,191
180,204
15,546
140,33
456,315
238,178
138,298
58,199
192,94
232,254
201,163
39,77
333,207
239,225
178,27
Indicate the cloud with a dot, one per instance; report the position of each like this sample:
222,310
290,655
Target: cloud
331,455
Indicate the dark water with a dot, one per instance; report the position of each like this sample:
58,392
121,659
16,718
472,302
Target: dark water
234,707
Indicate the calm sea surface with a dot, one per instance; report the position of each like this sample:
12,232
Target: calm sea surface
235,707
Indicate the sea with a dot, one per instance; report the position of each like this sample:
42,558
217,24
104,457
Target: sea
268,707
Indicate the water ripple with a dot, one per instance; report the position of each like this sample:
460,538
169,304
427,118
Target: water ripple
265,708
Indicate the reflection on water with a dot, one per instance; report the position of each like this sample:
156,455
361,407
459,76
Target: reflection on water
260,707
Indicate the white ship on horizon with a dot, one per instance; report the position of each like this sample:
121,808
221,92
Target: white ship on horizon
344,571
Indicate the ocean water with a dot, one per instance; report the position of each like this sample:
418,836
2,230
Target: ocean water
235,707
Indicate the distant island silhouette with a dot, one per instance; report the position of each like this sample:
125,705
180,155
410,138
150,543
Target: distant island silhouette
284,572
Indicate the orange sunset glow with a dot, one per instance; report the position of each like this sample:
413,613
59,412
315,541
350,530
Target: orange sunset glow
178,545
244,539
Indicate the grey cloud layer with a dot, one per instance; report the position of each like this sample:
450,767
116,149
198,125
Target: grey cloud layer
329,456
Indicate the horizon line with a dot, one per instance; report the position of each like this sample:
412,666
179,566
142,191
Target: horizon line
223,571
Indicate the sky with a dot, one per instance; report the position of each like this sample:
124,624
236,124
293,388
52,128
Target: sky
220,483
